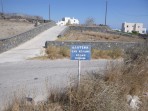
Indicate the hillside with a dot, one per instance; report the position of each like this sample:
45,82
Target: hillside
10,28
73,35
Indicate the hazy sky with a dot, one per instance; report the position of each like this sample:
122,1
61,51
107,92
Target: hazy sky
119,11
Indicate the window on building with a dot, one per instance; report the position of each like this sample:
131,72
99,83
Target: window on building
63,19
127,26
138,26
143,32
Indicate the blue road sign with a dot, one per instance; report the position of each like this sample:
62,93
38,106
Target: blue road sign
80,52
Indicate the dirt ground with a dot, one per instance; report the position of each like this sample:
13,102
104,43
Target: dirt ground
10,28
97,36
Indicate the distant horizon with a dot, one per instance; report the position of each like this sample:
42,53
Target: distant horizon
133,11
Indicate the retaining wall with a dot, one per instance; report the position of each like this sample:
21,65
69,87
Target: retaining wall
64,32
95,45
11,42
103,29
90,28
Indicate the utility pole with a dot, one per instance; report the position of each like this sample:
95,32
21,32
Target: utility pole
49,11
106,12
2,6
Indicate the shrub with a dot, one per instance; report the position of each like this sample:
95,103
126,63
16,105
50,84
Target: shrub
115,53
137,54
65,52
54,52
135,32
90,22
107,54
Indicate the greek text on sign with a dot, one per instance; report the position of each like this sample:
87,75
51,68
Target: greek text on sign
80,52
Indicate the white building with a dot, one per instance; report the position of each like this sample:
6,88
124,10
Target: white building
129,27
68,20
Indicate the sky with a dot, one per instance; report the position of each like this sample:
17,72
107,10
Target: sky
119,11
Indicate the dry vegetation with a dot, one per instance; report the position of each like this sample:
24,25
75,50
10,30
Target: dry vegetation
54,52
107,54
101,93
115,91
110,92
10,28
96,36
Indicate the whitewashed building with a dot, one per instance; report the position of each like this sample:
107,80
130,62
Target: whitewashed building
67,20
129,27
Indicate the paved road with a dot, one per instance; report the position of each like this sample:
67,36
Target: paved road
31,75
12,74
32,48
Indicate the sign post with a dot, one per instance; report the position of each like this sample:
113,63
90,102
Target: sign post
79,70
80,52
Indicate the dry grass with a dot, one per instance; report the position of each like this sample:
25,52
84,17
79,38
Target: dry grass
54,52
20,104
109,92
97,92
96,36
10,28
107,54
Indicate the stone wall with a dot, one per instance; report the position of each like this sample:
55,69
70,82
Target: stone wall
95,45
64,32
8,43
104,29
84,28
90,28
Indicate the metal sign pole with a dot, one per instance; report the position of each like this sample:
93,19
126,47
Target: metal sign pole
79,71
80,52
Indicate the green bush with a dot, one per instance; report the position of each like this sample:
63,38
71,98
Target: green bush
135,32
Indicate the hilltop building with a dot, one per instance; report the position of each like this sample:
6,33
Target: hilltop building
129,27
67,21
